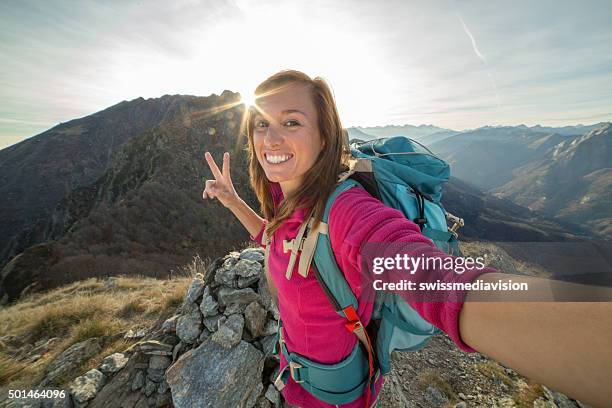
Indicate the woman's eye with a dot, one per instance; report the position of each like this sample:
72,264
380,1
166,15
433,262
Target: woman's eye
289,121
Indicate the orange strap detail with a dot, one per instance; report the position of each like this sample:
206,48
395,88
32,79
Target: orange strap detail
355,326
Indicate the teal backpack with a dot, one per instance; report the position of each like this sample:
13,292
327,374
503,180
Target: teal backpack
406,176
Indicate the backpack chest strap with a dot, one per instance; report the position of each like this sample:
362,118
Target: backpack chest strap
310,245
304,243
294,246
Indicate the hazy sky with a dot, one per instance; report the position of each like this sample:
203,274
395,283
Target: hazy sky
453,64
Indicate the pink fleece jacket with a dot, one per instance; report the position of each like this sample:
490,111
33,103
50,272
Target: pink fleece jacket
311,327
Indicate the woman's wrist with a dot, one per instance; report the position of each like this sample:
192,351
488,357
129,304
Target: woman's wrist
235,204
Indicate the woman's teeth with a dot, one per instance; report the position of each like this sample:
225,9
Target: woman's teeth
276,159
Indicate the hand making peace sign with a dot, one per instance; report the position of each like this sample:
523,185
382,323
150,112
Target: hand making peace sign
221,187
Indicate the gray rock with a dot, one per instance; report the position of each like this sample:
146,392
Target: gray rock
212,323
255,319
150,387
117,390
113,363
263,402
244,296
159,362
246,282
189,325
138,381
230,332
163,387
169,326
235,308
170,339
213,376
70,359
247,272
110,283
273,395
86,386
226,275
246,268
158,353
435,397
178,349
254,395
135,334
209,306
149,346
266,297
270,328
204,336
42,346
267,344
562,401
195,290
253,254
543,403
155,374
163,400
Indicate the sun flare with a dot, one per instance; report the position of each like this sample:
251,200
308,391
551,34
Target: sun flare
248,99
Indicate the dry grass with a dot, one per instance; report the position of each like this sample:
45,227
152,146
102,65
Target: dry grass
432,377
9,367
525,397
197,265
82,310
131,309
494,371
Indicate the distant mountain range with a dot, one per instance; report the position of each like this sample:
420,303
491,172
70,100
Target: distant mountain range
414,132
119,192
561,175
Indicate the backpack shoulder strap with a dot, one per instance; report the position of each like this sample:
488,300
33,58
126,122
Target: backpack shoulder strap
325,268
337,289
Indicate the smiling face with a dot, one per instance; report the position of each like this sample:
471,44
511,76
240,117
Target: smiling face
286,135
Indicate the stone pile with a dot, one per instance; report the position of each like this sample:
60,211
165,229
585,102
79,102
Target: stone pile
216,351
226,327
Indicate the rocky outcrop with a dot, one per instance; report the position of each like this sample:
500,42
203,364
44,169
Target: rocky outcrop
226,330
215,351
214,375
71,358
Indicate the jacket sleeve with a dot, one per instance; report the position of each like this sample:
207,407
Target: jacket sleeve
258,238
356,218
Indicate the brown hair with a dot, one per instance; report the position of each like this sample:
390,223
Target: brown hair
320,179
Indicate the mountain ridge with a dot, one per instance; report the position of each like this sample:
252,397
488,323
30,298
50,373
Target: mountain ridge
141,210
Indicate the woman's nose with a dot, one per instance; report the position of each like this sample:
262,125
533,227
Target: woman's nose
272,137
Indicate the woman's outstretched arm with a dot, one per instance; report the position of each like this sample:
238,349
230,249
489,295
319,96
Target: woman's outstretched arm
247,216
565,345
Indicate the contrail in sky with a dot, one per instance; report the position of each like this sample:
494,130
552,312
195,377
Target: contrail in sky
467,31
480,56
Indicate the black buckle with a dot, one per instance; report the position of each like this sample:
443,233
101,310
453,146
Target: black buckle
420,221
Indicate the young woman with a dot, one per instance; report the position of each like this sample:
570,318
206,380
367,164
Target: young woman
297,151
